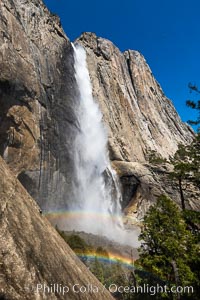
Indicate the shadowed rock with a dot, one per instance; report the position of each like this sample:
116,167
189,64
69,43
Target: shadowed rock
38,97
32,252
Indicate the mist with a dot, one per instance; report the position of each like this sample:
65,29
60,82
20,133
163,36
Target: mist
96,189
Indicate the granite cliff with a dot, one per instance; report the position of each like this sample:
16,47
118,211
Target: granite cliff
138,115
139,119
38,97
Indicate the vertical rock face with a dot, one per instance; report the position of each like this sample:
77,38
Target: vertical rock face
138,115
38,97
139,119
37,92
32,252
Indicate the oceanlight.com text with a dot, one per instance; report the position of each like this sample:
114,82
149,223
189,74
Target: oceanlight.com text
150,289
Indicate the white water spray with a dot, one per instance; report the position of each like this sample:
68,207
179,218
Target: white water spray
96,188
94,196
94,204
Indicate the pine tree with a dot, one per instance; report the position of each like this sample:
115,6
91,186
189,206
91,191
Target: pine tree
186,162
194,104
182,170
168,249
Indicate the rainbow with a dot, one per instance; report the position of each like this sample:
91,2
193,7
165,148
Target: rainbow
54,216
112,258
76,214
116,258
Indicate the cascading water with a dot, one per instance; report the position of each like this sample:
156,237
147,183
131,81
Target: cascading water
92,203
96,191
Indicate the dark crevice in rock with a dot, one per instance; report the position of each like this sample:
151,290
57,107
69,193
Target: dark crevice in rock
130,184
60,33
128,62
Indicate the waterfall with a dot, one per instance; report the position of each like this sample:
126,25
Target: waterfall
91,197
96,189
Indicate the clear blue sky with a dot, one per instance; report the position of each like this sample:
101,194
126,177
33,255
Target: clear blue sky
166,32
